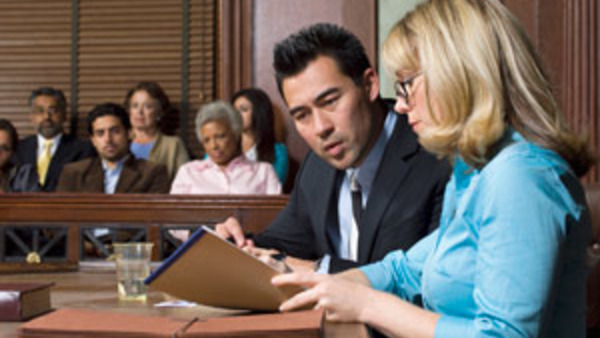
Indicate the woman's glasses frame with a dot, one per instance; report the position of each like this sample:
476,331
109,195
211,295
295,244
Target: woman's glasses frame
402,88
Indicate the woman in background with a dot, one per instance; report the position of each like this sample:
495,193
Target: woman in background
14,177
225,170
147,103
509,258
258,136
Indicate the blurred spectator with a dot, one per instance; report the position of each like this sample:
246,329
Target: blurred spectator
50,149
115,170
148,104
225,170
13,176
258,134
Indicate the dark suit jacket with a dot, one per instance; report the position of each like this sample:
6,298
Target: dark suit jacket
137,176
404,204
20,178
69,150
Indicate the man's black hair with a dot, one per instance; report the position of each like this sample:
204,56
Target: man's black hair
52,92
292,55
108,109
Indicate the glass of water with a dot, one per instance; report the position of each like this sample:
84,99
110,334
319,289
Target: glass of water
133,266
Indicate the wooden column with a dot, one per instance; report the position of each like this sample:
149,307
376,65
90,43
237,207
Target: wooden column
235,47
581,75
566,33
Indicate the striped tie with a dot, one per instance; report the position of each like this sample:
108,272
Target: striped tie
357,212
44,161
357,209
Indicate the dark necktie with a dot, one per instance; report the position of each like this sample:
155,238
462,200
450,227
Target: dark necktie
357,209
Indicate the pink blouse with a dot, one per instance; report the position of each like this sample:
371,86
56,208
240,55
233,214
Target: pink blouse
241,176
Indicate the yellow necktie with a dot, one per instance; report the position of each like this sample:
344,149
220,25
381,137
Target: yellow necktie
44,161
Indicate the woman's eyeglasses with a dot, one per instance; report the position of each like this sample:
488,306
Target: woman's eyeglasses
402,88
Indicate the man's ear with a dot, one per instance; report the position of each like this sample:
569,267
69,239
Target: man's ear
371,83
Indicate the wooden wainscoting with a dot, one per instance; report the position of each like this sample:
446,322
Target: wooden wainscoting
66,218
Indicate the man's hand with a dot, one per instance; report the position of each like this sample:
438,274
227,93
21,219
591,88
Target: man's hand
231,228
268,256
297,264
288,264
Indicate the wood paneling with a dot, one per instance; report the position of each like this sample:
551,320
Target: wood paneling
255,212
581,75
151,211
566,33
235,46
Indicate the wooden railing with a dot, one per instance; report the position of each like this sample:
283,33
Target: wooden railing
44,223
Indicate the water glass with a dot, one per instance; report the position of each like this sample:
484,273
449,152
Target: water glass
133,266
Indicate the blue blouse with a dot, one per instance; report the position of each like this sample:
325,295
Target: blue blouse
141,150
281,162
508,259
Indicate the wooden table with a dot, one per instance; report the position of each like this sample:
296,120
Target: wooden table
96,289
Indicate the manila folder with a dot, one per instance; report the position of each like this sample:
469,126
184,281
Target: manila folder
209,270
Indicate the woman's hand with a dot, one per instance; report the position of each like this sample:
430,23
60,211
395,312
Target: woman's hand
348,297
342,299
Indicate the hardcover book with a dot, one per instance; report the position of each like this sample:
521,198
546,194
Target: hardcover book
21,301
209,270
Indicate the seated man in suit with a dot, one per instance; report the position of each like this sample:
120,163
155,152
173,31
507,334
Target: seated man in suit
50,149
114,170
367,187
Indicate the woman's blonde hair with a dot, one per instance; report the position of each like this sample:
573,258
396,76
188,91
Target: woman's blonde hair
484,75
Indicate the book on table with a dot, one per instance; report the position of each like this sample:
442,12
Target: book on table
209,270
21,301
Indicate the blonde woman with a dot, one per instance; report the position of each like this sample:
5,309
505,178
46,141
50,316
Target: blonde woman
508,259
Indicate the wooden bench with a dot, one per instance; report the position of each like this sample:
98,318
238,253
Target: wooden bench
69,217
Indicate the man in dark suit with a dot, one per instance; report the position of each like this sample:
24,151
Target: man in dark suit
50,149
115,170
367,187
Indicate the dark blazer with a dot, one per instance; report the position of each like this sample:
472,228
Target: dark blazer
137,176
404,204
69,150
20,178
